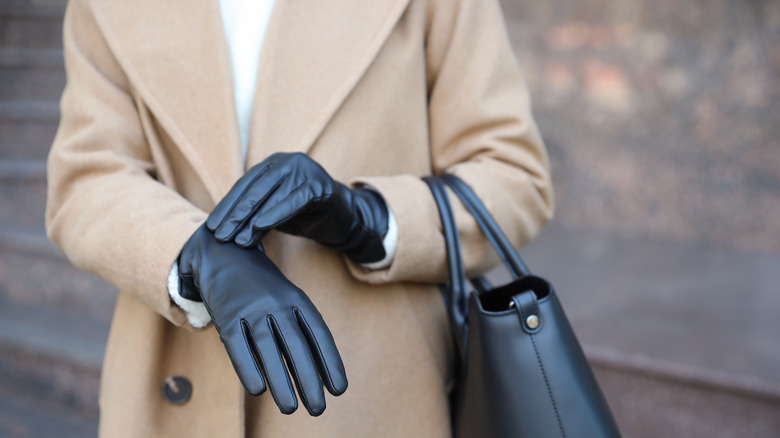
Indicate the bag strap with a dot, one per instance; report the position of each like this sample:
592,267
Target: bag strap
455,293
489,226
451,238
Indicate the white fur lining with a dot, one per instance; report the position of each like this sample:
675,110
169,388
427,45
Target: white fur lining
196,311
390,242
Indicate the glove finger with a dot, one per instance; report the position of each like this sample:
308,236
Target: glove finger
239,349
272,365
278,208
236,207
324,350
299,361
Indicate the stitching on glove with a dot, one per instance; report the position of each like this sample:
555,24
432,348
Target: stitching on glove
269,320
291,363
302,318
249,340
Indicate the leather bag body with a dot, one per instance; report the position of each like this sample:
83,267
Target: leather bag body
522,372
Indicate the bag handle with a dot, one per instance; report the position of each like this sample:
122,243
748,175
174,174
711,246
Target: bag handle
489,226
457,272
455,293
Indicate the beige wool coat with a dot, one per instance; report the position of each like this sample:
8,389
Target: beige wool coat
379,92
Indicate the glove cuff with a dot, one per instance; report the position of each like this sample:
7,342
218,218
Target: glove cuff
195,310
390,244
372,225
184,288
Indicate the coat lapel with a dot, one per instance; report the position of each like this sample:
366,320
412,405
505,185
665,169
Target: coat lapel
175,54
313,55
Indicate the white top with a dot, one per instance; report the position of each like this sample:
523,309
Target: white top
245,23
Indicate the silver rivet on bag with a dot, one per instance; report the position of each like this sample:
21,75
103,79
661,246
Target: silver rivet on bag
532,322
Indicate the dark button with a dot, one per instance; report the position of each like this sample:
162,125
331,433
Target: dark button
176,390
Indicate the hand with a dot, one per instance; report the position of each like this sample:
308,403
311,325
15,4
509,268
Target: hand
294,194
261,318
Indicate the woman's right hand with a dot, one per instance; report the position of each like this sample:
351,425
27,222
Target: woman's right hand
263,320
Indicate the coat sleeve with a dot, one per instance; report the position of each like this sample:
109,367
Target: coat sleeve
105,208
482,130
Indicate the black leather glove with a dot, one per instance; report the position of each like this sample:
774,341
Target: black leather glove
263,320
295,195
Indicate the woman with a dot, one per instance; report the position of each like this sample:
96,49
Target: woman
376,95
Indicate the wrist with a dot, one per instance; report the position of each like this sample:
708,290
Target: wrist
370,227
389,243
194,310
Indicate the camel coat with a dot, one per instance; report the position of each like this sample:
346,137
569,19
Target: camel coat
379,92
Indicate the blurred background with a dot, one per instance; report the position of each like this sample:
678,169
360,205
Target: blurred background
662,120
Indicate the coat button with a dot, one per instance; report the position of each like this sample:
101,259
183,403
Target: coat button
176,390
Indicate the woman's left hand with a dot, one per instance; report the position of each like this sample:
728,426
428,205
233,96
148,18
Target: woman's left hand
294,194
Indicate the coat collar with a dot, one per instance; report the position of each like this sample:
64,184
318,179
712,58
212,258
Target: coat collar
175,55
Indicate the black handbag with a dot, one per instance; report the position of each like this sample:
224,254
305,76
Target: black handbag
521,372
